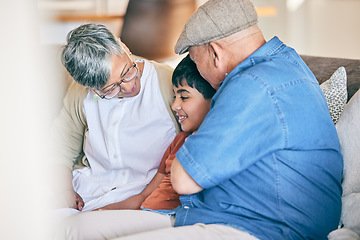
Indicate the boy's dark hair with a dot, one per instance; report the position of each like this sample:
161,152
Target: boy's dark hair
187,72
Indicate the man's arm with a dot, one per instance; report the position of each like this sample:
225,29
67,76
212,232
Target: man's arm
181,181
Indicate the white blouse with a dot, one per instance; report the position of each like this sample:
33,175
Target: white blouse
124,144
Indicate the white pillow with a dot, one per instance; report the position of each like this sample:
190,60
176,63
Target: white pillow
350,214
343,234
335,93
348,129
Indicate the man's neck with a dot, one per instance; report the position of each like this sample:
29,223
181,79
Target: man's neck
241,49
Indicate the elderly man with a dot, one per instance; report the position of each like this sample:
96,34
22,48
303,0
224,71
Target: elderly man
266,161
267,158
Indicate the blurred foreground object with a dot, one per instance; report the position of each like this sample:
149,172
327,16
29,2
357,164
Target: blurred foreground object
151,27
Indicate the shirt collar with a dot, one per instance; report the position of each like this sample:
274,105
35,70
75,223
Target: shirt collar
270,48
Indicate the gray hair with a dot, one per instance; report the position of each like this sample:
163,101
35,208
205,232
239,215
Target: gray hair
87,54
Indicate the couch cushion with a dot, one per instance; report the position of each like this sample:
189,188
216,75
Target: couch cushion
351,211
348,128
343,234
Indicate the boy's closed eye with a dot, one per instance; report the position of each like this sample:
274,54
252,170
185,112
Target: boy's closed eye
184,97
182,94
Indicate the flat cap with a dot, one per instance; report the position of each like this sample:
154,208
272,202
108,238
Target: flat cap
214,20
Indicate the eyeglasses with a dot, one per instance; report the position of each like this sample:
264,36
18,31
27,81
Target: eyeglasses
113,89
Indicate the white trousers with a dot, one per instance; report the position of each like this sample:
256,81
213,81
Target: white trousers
140,225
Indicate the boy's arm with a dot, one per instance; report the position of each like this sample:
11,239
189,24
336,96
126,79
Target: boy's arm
181,181
134,202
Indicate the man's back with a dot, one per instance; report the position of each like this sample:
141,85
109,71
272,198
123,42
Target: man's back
279,153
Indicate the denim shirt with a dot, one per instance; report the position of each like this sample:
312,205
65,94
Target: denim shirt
267,153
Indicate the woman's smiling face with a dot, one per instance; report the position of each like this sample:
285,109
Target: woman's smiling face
122,66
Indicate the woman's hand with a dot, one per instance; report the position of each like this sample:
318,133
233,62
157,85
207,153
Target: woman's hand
74,200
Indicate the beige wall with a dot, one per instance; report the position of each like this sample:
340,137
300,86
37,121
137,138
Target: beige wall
315,27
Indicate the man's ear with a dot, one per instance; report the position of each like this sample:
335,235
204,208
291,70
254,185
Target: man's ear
217,53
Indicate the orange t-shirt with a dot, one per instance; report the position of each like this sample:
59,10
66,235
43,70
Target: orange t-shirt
164,196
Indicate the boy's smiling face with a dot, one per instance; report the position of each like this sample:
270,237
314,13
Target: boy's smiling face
190,106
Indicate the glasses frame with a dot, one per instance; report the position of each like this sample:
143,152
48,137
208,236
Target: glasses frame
111,87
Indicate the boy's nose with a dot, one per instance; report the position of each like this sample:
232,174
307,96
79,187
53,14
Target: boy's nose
175,106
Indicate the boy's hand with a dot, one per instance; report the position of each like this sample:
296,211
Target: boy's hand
133,202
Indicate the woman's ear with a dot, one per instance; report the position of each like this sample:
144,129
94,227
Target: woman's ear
125,47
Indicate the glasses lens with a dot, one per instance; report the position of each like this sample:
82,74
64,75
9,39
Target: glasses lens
113,90
108,89
113,93
131,74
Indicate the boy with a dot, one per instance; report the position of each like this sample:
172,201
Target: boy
191,104
115,124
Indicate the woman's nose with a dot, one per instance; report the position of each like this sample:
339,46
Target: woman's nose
126,86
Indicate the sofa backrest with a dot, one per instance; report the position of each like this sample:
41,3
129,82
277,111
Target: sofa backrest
324,67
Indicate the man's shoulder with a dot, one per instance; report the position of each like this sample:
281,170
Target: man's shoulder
276,70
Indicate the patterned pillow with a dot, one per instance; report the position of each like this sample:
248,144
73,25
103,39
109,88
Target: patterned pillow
335,92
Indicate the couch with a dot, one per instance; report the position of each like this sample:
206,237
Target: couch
348,128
